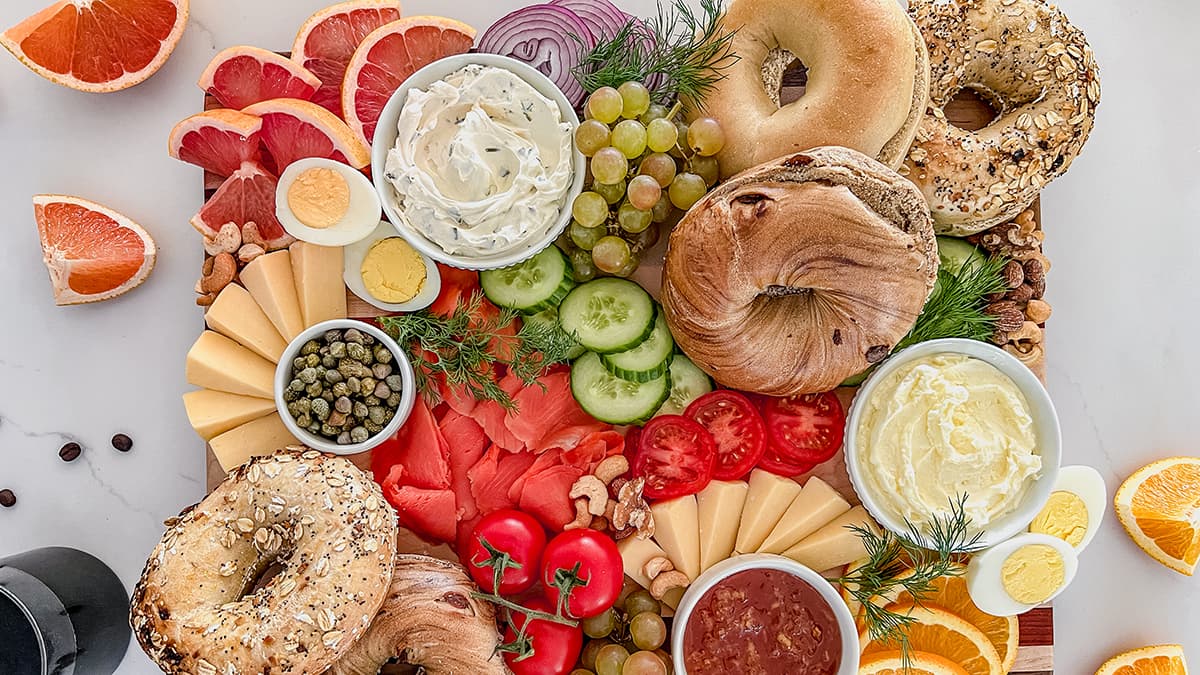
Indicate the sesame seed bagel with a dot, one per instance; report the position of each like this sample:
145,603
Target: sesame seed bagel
1037,70
320,519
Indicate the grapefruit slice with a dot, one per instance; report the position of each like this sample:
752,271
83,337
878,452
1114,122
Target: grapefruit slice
242,76
98,45
247,196
92,252
328,39
219,141
388,56
293,129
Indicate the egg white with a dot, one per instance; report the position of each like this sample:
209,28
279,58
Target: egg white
1086,483
355,253
983,573
360,219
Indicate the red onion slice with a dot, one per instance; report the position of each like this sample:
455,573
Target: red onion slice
603,18
540,35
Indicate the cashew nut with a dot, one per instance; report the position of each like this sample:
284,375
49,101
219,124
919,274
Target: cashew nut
1037,311
657,565
249,252
226,240
583,518
1028,334
224,269
611,468
595,492
250,234
666,581
206,299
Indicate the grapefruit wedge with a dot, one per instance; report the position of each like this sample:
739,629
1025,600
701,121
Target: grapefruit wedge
242,76
219,141
92,252
98,45
293,129
387,57
327,41
247,196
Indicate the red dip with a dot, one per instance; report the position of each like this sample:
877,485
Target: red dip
762,622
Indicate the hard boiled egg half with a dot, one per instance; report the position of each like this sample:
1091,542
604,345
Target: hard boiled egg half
1021,573
326,203
386,271
1075,508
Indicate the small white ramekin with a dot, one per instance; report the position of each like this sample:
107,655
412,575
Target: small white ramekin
385,138
400,365
1041,409
768,561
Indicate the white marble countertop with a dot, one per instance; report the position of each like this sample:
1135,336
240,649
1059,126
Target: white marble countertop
1122,233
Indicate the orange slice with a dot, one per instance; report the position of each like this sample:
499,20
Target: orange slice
1159,506
218,140
92,252
99,45
293,129
327,41
919,663
937,631
242,76
1156,660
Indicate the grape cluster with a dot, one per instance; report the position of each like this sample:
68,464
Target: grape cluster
628,639
643,164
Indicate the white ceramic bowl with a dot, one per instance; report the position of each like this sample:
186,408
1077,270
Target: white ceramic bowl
400,366
385,138
1045,421
353,259
741,563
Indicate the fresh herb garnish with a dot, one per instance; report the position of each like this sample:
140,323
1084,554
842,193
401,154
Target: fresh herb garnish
956,307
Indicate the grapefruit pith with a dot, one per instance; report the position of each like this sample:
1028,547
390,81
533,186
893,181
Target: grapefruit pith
219,140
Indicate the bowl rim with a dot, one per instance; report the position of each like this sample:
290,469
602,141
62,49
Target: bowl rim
354,281
408,396
385,138
1045,418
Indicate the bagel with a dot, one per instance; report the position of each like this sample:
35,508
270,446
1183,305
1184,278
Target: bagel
430,619
320,519
867,80
1026,59
798,273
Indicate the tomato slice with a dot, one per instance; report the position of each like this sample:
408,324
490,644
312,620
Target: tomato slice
806,428
675,455
736,427
774,462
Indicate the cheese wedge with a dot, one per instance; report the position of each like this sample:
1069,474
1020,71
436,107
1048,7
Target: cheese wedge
215,412
235,315
677,530
269,280
768,499
216,362
816,505
835,543
719,507
635,553
262,436
317,273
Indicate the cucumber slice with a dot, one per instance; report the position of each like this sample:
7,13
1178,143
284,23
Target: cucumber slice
531,286
688,383
610,399
647,361
955,254
608,315
549,317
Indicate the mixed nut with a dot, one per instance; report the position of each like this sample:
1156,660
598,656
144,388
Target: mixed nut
226,253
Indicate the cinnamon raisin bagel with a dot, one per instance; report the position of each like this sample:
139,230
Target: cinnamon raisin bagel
1037,70
320,519
798,273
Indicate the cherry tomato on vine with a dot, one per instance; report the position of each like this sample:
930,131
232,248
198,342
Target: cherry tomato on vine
737,429
587,567
508,537
551,648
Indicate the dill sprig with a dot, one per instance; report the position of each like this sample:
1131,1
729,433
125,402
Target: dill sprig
678,54
465,347
956,307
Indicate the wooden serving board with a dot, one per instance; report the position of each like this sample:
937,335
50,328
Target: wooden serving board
1035,655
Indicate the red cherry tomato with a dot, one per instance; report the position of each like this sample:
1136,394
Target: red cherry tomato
736,427
675,455
806,428
598,579
555,646
507,532
772,461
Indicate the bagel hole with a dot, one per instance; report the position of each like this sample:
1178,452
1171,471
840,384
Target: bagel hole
793,83
783,76
971,109
776,291
395,667
263,578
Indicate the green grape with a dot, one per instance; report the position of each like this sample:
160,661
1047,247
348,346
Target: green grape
628,268
590,209
641,601
666,658
610,658
681,131
609,166
601,625
630,586
581,671
643,240
648,630
644,663
587,658
635,98
644,192
705,136
654,112
659,166
661,135
686,189
611,254
662,209
605,105
612,193
705,167
564,242
629,136
632,219
591,136
585,237
581,264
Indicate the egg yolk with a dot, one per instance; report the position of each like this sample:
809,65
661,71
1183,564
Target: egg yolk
319,197
1032,574
1064,516
393,271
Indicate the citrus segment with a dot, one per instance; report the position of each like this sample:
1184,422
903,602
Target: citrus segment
920,663
388,56
92,252
937,631
242,76
218,140
293,129
1155,660
327,41
1159,506
99,45
247,196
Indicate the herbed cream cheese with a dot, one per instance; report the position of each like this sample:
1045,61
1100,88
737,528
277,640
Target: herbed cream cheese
482,163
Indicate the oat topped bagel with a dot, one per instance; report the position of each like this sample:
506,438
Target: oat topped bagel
319,518
1036,69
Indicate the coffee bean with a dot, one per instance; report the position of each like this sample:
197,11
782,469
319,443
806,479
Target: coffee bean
122,442
69,452
7,498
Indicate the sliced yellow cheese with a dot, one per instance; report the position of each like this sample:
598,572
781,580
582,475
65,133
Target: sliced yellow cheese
719,507
262,436
269,279
235,315
835,543
635,553
816,505
216,362
677,530
317,273
215,412
769,497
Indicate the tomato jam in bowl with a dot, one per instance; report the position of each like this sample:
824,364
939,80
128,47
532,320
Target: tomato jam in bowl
762,614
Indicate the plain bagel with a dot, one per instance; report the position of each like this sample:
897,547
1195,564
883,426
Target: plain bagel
1035,68
320,519
798,273
867,80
